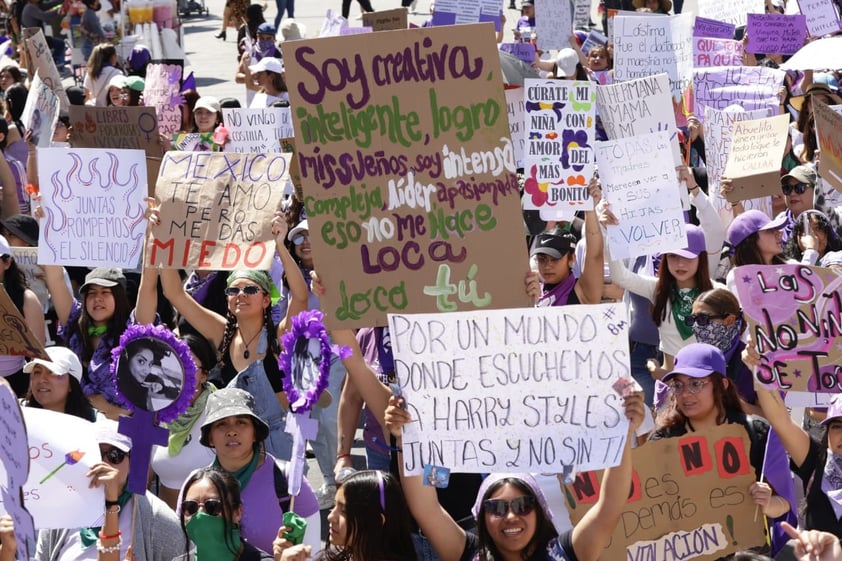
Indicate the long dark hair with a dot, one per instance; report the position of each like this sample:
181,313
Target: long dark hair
77,404
374,533
818,221
746,253
231,327
100,58
667,285
544,529
116,325
725,398
229,495
130,386
14,281
722,301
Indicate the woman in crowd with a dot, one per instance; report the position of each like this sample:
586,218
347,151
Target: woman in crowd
16,146
54,384
102,67
812,237
268,74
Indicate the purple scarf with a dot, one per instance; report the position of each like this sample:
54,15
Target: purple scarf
558,295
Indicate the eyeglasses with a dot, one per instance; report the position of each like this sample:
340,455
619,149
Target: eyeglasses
299,239
692,388
798,188
249,290
702,320
114,456
520,506
212,507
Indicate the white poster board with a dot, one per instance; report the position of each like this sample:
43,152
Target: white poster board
40,113
256,131
730,11
553,24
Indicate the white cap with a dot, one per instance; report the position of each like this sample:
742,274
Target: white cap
107,432
300,227
207,102
62,361
267,64
5,248
566,61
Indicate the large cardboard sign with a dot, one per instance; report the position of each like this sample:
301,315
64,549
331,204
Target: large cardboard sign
256,131
752,87
41,61
16,339
709,52
386,20
795,321
217,209
408,172
521,390
754,162
775,33
161,91
821,15
40,113
559,132
553,24
94,203
115,127
829,132
643,192
704,27
733,12
689,499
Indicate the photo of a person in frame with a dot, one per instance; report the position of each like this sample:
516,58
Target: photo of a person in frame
35,126
149,374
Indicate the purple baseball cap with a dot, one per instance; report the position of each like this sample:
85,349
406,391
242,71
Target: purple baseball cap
834,410
695,243
524,477
698,360
752,221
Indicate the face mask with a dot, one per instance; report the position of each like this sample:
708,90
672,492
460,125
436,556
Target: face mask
718,334
208,533
265,46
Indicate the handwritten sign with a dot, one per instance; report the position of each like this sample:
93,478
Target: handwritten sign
408,175
829,133
689,499
452,12
40,113
386,20
821,15
94,203
581,14
14,469
794,314
752,87
709,52
643,192
559,131
704,27
41,59
754,162
256,131
522,51
594,38
216,210
115,127
16,339
161,91
733,11
553,24
516,109
776,33
520,390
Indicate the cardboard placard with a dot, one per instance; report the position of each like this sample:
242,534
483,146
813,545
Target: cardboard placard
454,12
256,131
821,15
217,209
41,61
115,127
732,11
643,192
40,113
553,24
16,339
754,162
704,27
752,87
520,390
161,91
522,51
94,203
386,20
689,499
795,319
829,135
709,52
775,33
559,132
516,109
429,200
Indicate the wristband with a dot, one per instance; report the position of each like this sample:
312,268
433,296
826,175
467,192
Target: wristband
343,455
111,537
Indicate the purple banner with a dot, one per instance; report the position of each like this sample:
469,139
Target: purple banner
705,27
523,51
776,33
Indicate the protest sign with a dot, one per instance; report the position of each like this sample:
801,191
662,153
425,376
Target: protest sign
709,52
516,109
217,209
288,146
559,130
16,339
408,172
195,142
386,20
651,44
553,24
41,61
732,11
256,131
752,87
775,33
451,12
754,161
821,15
704,27
643,191
594,38
161,91
519,390
355,30
522,51
795,320
94,203
333,25
829,135
689,499
14,469
40,113
115,127
581,14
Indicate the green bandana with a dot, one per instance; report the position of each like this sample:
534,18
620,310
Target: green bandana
97,330
261,278
181,427
89,536
243,475
682,306
212,541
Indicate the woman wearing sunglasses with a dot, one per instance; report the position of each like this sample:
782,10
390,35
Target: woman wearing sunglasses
210,515
700,398
143,521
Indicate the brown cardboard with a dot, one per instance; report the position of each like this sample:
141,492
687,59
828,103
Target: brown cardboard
829,132
386,20
754,162
16,339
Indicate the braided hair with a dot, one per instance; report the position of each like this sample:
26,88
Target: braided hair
231,326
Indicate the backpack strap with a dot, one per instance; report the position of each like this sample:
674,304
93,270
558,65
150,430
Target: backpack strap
281,484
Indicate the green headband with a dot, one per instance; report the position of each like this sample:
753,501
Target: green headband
261,278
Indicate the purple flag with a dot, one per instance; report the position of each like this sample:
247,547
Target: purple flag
777,474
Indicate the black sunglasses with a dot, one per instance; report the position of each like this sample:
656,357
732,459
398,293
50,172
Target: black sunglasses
798,188
212,507
114,457
702,319
521,506
250,290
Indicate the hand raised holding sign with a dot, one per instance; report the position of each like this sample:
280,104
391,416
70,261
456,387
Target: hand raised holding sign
279,227
8,543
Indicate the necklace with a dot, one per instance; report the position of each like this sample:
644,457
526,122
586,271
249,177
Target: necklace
246,353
